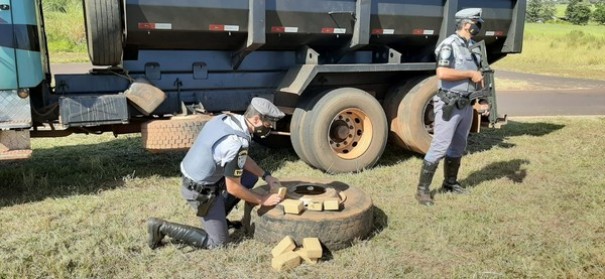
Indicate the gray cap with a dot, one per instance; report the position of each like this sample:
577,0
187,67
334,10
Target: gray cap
267,109
470,13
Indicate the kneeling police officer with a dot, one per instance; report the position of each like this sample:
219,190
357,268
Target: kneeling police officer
217,173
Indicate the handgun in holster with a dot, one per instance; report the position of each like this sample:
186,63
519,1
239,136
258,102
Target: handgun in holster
206,196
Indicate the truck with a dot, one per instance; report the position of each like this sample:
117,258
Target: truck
351,75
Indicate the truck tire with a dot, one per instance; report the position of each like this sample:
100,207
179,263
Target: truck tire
346,131
335,229
410,111
297,135
175,134
391,103
104,31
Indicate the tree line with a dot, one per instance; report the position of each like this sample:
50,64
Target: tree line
578,12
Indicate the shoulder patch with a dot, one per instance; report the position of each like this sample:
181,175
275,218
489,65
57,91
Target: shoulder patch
235,167
241,158
445,57
446,52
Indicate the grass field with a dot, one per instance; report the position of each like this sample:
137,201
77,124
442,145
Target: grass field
65,30
560,50
77,209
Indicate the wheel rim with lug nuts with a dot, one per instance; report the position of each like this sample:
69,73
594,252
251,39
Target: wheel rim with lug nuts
350,133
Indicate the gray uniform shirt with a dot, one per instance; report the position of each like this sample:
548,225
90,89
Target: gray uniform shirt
224,146
454,52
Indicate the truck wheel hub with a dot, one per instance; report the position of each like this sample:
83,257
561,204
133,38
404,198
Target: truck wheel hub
350,133
340,131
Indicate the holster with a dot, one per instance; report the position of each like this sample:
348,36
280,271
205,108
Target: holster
451,100
463,102
206,195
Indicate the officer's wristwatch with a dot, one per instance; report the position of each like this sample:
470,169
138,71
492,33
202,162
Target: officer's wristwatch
264,177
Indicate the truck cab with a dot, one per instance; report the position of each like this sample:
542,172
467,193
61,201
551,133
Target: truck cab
24,67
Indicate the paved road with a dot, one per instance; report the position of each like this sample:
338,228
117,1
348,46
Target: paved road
552,102
70,68
545,96
551,96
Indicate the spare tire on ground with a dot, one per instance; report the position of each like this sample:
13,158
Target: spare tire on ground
335,229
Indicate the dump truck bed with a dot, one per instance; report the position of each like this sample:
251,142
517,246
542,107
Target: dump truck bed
407,26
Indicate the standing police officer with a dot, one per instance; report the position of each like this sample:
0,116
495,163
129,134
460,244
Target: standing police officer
217,173
457,71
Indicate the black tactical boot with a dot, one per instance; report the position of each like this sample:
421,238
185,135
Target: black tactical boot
450,174
426,177
230,202
153,229
189,235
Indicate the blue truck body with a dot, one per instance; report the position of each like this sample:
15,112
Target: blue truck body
204,57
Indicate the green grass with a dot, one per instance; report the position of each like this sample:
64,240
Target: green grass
65,29
77,209
560,10
560,50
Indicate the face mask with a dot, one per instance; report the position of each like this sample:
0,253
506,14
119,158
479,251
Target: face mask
475,29
262,131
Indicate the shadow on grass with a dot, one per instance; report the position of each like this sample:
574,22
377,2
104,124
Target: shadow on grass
381,221
81,169
484,141
393,155
513,170
490,138
89,168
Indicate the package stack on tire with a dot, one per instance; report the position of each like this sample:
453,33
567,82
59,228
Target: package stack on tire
296,207
286,255
337,229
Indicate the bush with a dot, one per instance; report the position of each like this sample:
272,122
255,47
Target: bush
540,10
599,13
578,12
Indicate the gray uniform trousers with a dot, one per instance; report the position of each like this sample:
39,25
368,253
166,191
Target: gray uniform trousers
449,137
215,222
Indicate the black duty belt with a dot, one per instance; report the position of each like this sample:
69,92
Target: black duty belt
206,194
201,188
443,93
463,97
452,100
482,93
459,100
